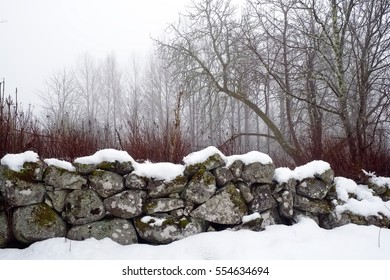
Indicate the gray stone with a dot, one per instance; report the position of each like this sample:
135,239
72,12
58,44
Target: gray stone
124,168
222,175
63,179
30,172
82,207
22,193
245,191
314,206
127,204
333,220
290,185
57,199
332,193
37,222
4,229
163,205
285,201
2,202
119,230
209,164
313,188
157,189
258,173
84,169
379,221
201,187
163,230
121,168
263,199
106,183
226,207
378,189
133,181
327,176
253,225
270,217
177,213
236,169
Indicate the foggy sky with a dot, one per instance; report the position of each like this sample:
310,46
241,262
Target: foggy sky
39,37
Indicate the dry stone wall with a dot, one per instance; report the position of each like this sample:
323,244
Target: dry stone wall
109,199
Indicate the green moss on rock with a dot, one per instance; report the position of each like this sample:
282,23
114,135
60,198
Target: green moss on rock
43,215
237,198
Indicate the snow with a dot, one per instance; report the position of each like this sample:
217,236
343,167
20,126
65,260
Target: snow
303,241
309,170
15,161
363,202
251,217
26,192
109,155
248,158
153,221
60,163
381,181
164,171
202,155
251,157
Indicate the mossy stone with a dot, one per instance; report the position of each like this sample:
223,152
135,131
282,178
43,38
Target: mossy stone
43,215
37,222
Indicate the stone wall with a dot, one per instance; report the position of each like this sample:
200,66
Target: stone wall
109,199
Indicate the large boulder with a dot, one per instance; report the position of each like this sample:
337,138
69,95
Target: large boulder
270,217
236,169
119,230
134,181
163,205
37,222
327,176
82,207
85,168
122,168
257,172
285,201
201,187
127,204
213,161
222,175
313,188
106,183
226,207
315,206
21,193
263,199
4,229
158,189
251,222
56,199
163,230
29,172
245,191
63,179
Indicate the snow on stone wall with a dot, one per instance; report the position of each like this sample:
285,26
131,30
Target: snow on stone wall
109,194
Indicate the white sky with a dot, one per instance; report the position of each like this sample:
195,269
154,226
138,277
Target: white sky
42,36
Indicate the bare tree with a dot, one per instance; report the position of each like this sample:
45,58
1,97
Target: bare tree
210,41
60,99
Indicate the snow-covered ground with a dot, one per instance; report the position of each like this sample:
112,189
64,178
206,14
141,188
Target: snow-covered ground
302,241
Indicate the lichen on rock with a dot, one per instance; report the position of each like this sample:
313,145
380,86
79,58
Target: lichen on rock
37,222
